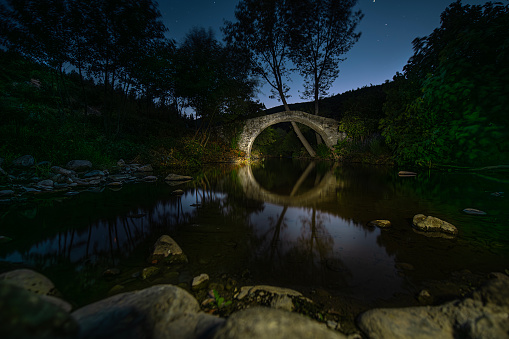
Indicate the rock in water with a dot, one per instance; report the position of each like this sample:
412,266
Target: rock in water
406,174
177,177
432,224
166,249
200,281
474,211
380,223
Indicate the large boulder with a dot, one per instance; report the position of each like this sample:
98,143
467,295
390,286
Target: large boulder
161,311
27,315
484,315
30,281
262,322
431,224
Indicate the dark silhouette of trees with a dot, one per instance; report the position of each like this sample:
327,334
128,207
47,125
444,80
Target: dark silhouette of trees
261,28
450,104
213,79
321,32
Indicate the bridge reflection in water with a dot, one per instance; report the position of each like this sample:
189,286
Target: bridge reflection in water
303,244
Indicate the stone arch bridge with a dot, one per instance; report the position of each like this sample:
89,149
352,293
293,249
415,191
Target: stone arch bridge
326,127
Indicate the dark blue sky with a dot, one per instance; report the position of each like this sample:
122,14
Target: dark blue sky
388,28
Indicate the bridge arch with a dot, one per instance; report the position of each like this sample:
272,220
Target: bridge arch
326,127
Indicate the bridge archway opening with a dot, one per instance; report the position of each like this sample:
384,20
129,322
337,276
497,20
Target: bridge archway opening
325,127
282,139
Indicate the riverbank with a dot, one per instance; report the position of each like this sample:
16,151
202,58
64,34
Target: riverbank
32,308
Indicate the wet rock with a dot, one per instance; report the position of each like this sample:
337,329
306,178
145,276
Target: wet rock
24,161
149,272
474,211
46,183
424,297
4,239
114,184
274,290
161,311
79,165
406,174
167,250
484,315
116,289
121,163
62,171
177,177
261,322
150,178
94,173
200,282
177,192
6,193
404,266
30,281
432,224
28,315
380,223
282,302
145,168
3,172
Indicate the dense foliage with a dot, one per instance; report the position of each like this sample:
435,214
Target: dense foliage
450,104
100,79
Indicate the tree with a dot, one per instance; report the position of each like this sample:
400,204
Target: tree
214,79
261,28
321,32
455,91
39,30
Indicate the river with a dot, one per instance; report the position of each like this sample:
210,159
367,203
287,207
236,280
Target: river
283,222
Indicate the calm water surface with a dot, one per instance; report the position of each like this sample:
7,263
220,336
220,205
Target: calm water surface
283,222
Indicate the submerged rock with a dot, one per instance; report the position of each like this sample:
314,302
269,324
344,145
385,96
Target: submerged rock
380,223
432,224
474,211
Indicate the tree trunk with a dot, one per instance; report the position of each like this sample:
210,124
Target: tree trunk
297,130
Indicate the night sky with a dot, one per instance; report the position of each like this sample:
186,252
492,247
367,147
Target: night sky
388,28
